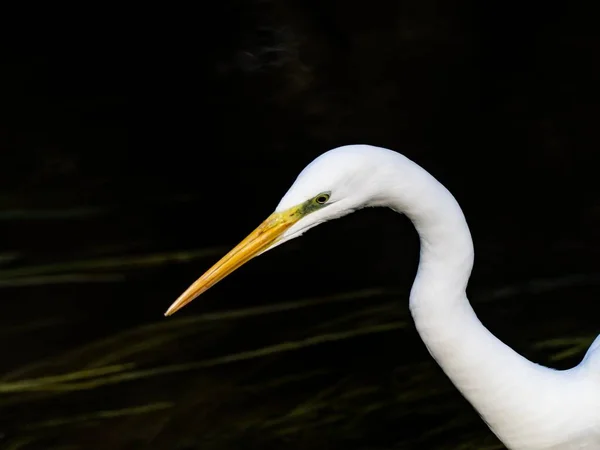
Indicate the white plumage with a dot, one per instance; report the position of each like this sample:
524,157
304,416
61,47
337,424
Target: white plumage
528,406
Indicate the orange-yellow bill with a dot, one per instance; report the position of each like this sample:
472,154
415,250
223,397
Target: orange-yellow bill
259,240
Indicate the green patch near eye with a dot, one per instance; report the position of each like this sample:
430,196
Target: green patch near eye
313,204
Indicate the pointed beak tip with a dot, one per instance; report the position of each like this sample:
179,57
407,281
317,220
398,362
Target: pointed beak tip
254,244
176,306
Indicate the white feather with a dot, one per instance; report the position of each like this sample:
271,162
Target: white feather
528,406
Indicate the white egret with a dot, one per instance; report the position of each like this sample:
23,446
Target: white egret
528,406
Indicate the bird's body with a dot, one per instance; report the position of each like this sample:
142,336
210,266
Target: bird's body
528,406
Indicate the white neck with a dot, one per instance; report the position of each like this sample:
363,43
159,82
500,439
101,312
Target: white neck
509,392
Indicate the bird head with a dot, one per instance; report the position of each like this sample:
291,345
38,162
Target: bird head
336,183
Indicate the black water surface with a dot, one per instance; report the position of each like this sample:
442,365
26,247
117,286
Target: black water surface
136,147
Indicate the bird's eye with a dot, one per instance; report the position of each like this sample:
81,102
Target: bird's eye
321,199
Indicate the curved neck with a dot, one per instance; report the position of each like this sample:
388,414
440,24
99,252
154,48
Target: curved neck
489,374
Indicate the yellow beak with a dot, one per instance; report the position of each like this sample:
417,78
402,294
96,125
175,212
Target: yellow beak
267,234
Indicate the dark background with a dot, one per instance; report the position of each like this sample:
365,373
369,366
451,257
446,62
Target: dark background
137,146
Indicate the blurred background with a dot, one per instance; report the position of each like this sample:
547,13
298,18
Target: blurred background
137,147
